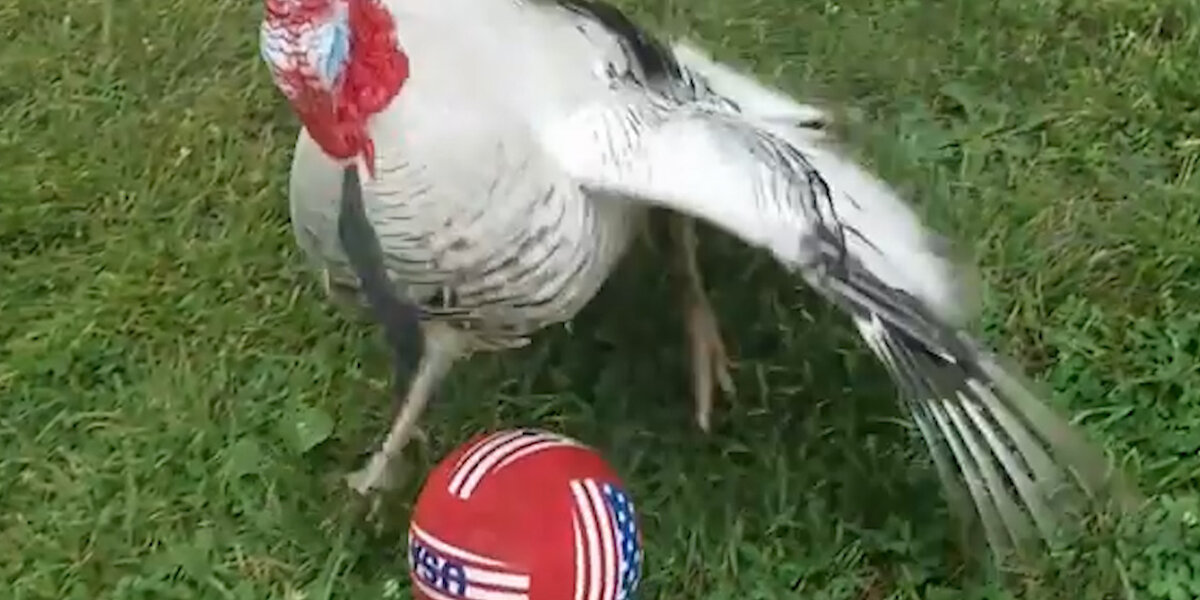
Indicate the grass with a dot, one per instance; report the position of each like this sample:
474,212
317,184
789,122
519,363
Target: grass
161,344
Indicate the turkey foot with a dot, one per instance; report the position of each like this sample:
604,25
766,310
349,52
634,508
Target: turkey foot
709,360
443,346
379,474
710,364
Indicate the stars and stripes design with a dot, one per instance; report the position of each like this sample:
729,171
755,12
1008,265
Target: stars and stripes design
497,451
444,572
608,552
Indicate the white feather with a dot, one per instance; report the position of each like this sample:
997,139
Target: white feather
752,97
688,161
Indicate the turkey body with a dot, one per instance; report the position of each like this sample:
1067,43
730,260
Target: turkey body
474,252
481,227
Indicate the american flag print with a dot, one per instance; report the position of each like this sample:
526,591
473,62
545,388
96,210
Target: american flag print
444,572
608,549
497,451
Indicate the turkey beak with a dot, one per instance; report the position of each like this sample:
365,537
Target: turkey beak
398,314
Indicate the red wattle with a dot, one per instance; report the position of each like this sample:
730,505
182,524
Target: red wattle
377,67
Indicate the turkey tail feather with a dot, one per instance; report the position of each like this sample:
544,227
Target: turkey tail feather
1023,467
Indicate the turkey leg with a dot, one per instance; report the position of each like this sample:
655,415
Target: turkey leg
710,364
443,347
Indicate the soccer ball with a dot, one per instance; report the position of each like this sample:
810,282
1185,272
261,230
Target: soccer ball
524,515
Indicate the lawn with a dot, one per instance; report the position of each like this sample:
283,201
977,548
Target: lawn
179,402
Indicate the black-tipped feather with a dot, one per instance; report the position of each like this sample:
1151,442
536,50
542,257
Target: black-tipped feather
399,316
654,60
1023,468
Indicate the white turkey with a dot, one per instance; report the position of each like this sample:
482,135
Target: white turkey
508,151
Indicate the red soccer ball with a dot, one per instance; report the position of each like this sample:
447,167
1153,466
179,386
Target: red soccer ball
524,515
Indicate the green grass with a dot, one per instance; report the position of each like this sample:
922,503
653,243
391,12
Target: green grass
161,342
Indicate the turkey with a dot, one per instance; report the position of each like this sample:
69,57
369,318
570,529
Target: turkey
496,158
